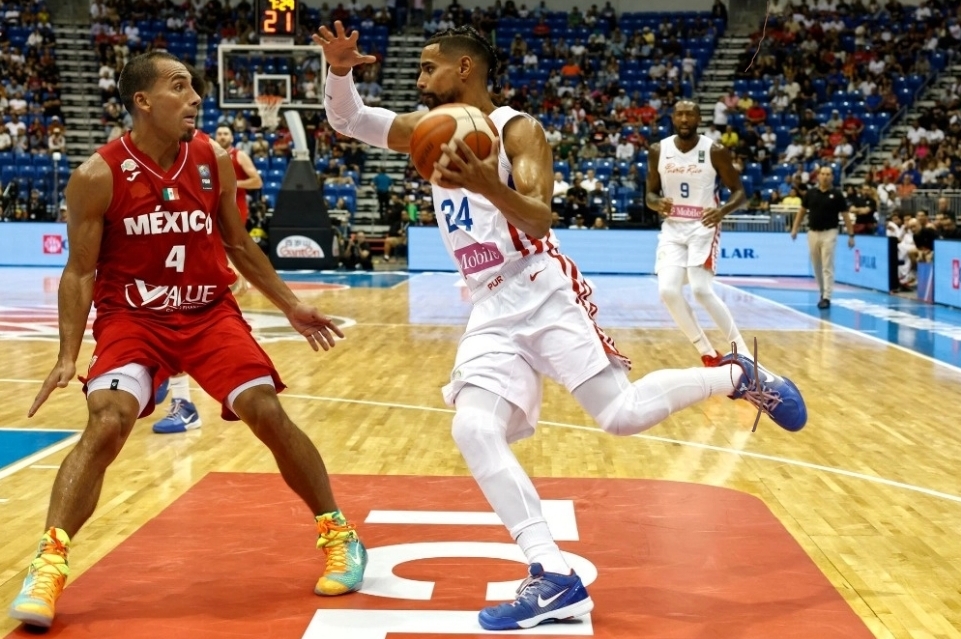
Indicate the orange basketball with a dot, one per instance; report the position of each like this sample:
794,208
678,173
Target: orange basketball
443,125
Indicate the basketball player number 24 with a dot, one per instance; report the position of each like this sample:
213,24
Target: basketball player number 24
462,217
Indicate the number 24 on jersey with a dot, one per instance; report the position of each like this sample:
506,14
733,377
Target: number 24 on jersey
460,219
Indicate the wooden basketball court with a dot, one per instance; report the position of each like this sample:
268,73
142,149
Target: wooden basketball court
869,490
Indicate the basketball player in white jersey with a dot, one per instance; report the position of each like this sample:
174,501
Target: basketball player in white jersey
682,187
532,313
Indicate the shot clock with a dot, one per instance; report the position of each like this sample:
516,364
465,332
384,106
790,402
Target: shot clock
277,18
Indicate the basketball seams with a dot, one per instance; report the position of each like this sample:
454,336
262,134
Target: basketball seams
461,122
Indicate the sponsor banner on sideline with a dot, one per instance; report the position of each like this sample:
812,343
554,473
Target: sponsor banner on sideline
616,251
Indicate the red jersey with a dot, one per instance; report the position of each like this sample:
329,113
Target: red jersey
161,253
241,175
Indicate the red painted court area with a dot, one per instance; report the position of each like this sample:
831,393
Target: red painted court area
234,558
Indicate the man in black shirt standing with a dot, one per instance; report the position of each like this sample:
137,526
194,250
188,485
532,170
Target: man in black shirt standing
824,204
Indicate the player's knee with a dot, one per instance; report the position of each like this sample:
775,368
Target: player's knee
627,415
107,430
476,433
669,294
702,292
261,411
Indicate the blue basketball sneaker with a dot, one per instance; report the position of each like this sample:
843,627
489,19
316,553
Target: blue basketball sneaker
775,396
542,597
181,417
161,393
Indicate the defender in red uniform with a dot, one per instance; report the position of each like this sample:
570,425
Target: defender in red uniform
150,217
248,177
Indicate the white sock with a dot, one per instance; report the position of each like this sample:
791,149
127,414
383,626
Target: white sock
539,547
180,387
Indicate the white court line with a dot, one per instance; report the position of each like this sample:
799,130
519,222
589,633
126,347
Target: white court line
855,331
29,461
3,501
665,440
651,438
45,467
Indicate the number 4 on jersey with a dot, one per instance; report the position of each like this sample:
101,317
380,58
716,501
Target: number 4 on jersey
175,259
462,219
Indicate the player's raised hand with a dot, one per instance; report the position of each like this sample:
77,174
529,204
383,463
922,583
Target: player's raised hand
318,329
59,377
340,49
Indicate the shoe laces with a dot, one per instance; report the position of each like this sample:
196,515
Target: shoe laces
49,570
176,406
332,539
759,395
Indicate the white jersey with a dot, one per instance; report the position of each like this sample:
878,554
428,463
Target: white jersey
690,180
480,240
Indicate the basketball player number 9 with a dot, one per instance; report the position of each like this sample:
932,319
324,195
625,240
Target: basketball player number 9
685,189
461,219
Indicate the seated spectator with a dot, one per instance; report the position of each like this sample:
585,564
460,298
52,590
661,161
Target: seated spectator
560,185
948,227
590,182
844,150
259,149
834,123
793,198
395,244
852,126
906,188
756,114
730,137
625,151
56,141
356,254
864,206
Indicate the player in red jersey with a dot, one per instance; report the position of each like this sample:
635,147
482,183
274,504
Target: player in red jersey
149,218
248,179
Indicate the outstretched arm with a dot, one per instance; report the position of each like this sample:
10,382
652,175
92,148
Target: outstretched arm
346,110
247,258
88,195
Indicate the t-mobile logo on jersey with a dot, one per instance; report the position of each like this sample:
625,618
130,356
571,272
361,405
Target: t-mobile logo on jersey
955,274
478,257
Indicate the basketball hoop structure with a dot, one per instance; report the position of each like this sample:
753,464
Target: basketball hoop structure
268,106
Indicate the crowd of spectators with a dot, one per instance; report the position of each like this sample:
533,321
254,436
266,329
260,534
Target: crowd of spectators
30,106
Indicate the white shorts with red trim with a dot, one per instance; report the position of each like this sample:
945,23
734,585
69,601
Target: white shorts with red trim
700,246
539,322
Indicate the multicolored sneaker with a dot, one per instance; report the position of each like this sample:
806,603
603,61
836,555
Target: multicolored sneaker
46,577
181,417
346,556
712,361
775,396
543,596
